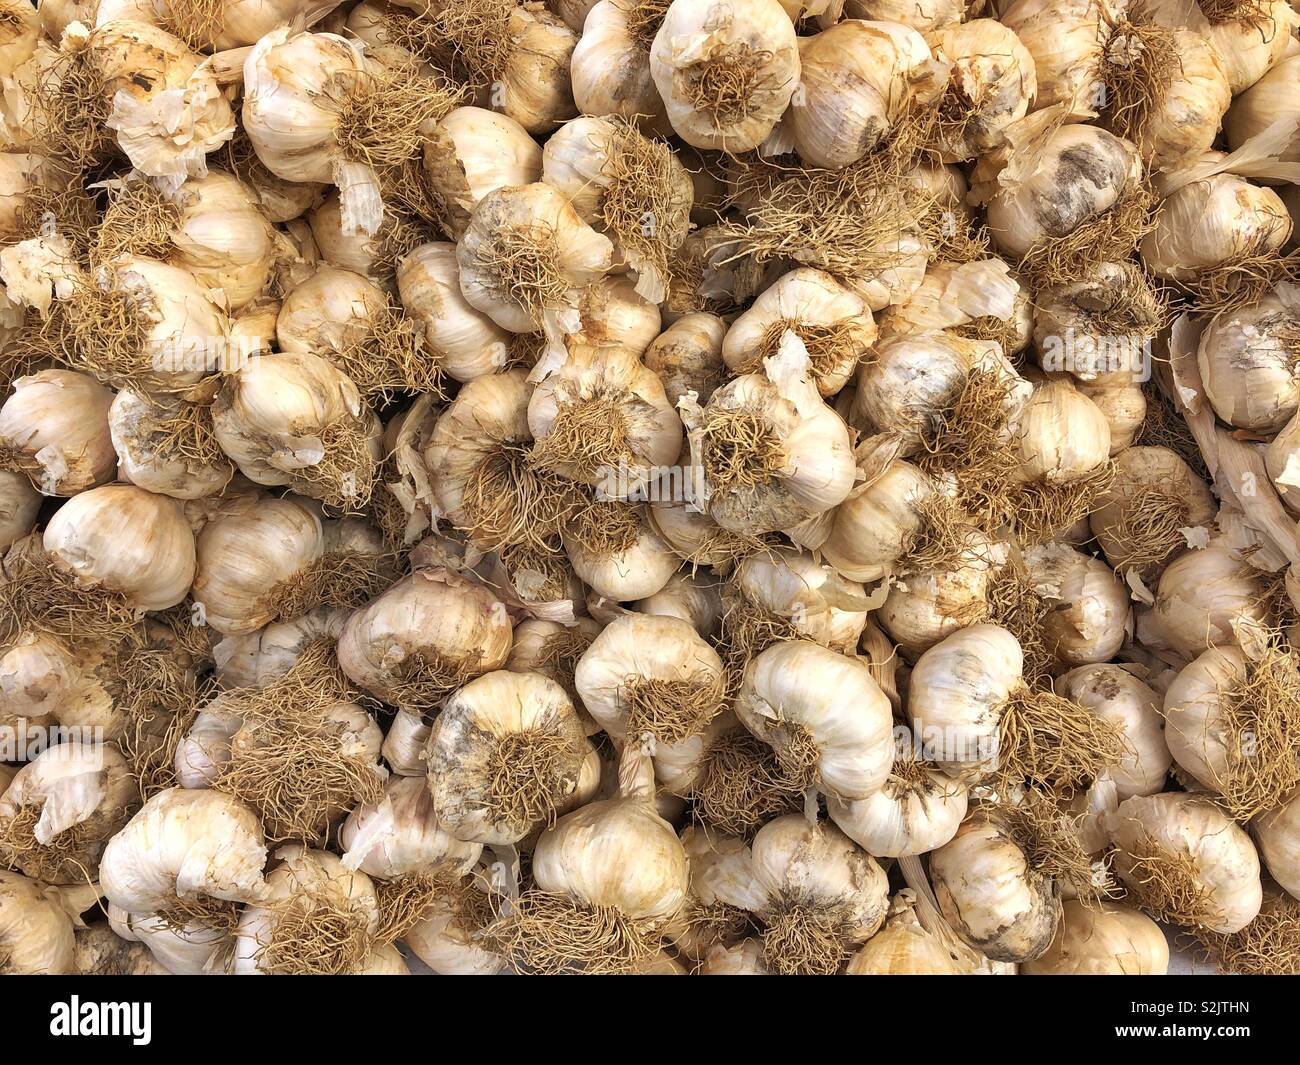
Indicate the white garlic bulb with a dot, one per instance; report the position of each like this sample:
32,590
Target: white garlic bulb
991,84
1277,833
687,356
401,835
166,445
1272,96
19,503
620,555
611,62
1107,939
1116,695
54,428
1066,38
35,928
1204,598
1088,617
1246,362
903,947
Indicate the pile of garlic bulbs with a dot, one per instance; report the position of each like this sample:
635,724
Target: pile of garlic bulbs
711,486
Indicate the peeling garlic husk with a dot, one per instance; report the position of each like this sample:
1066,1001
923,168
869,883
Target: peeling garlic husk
1249,47
1247,359
1108,939
55,427
36,929
743,959
903,948
824,715
954,295
139,425
1218,865
1115,695
1205,597
1277,834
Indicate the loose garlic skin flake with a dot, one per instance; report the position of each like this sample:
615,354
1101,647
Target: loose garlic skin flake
1106,940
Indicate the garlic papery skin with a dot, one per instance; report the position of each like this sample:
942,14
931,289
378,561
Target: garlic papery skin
448,938
991,84
933,603
1199,722
54,428
817,894
962,297
238,23
1062,435
102,952
926,16
1116,695
294,419
36,935
1277,834
833,322
918,810
611,63
222,237
19,504
1185,861
1125,409
471,152
1066,41
743,959
994,900
1107,939
1247,359
310,893
726,73
1152,505
1089,617
183,844
525,256
402,835
1249,39
777,421
184,947
857,81
824,715
468,344
650,674
37,674
260,658
718,863
142,428
506,750
635,566
204,749
424,637
22,31
1268,99
687,356
122,539
403,747
903,947
1204,599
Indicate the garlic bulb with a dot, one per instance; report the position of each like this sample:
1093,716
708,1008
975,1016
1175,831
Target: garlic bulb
816,894
526,254
259,658
968,298
1150,508
1204,599
1063,437
994,900
903,948
294,419
403,748
925,16
448,937
54,428
166,445
1271,96
726,73
1065,38
317,917
181,845
1116,695
834,324
471,152
823,714
375,256
19,503
1088,607
1277,834
857,81
1246,359
619,554
401,835
467,343
504,752
36,934
1103,940
706,921
991,84
611,62
423,638
22,30
649,674
917,811
933,603
122,539
1185,861
183,945
102,952
234,24
744,959
687,356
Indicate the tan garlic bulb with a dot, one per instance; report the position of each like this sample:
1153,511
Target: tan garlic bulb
833,322
294,419
994,900
1250,39
526,254
1203,226
182,844
1088,617
1277,834
780,587
1125,409
903,947
152,436
1046,202
467,343
124,540
611,62
1066,40
650,675
1151,507
1247,362
618,554
22,30
1203,598
424,637
1282,461
401,835
471,152
1272,96
857,81
54,428
1062,435
1185,861
505,751
918,810
725,72
1107,939
743,959
824,715
35,928
1116,695
317,918
773,453
19,504
817,895
687,356
962,297
991,84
